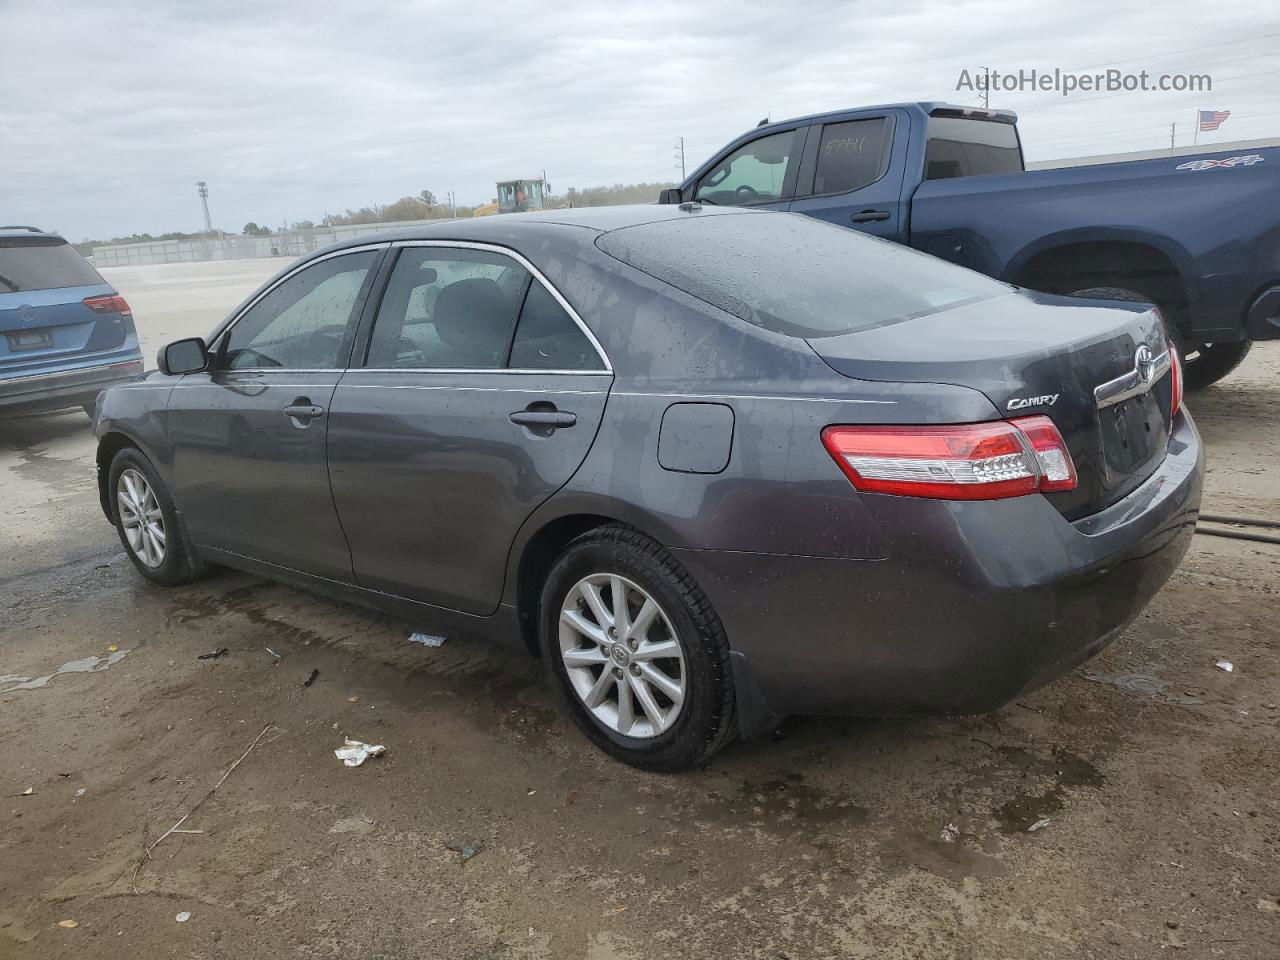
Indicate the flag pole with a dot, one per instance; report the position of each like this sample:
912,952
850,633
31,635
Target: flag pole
1195,138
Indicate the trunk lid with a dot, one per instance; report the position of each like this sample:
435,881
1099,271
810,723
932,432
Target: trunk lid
1037,354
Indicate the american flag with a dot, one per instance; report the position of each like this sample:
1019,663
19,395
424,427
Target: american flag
1212,119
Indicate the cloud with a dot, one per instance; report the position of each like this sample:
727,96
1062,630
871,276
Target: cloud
113,111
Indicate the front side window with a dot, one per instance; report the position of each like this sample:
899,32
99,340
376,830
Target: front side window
851,155
448,308
305,322
754,173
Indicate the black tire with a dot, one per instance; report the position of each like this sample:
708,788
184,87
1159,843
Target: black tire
1202,363
1212,361
180,565
707,720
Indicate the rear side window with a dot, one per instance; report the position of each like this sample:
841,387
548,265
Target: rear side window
971,148
42,263
852,155
448,308
796,275
548,339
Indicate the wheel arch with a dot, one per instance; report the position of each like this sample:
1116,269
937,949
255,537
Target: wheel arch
543,539
110,444
1072,260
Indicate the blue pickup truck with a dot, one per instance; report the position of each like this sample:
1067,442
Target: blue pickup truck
1199,235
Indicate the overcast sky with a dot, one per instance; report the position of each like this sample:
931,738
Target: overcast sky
112,110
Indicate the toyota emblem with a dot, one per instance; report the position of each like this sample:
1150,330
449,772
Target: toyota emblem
1145,363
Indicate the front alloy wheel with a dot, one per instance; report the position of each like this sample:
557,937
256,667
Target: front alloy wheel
141,518
622,656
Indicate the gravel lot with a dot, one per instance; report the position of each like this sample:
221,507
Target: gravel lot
1158,773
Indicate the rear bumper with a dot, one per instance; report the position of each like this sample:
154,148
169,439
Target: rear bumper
977,602
58,390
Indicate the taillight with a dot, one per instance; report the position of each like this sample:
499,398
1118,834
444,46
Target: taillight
1175,372
108,303
974,461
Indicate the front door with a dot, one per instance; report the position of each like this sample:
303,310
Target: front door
479,397
851,175
248,435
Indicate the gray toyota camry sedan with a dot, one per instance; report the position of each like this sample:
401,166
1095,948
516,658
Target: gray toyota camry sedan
713,466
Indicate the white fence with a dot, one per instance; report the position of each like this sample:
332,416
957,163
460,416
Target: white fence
286,243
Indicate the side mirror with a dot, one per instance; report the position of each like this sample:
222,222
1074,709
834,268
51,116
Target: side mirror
183,356
670,195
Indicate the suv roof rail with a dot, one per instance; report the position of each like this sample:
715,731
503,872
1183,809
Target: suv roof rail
21,226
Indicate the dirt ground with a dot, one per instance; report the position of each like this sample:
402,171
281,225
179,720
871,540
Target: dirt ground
1157,772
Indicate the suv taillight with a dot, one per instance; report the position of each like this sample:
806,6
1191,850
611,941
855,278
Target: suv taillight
1175,372
973,461
108,303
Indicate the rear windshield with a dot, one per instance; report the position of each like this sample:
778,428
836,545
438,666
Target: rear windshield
41,263
971,148
795,275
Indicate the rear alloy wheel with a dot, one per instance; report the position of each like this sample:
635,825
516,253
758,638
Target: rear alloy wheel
622,656
147,522
638,651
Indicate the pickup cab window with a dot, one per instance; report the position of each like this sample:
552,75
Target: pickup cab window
852,154
754,173
971,148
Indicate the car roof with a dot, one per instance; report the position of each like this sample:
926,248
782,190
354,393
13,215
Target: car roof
511,225
929,107
18,231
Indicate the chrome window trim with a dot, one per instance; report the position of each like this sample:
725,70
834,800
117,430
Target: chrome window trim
537,275
239,314
527,371
1131,384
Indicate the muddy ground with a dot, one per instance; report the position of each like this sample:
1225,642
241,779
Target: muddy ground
1158,773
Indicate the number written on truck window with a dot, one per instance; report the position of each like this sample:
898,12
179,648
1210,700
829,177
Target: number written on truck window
852,155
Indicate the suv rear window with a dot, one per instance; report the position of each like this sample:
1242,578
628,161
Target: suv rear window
971,148
42,263
796,275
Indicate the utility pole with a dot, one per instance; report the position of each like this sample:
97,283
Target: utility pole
680,156
1173,132
986,88
453,210
204,202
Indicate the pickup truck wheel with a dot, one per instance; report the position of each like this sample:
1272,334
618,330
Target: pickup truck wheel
1206,363
1202,363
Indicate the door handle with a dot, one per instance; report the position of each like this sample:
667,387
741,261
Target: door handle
869,216
544,418
303,409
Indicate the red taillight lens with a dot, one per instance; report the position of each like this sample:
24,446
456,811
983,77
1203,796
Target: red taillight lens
1175,371
113,303
1057,471
975,461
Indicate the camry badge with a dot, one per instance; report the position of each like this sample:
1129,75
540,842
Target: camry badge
1021,403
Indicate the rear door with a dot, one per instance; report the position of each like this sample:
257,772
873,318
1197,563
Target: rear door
758,173
480,395
56,312
851,173
248,435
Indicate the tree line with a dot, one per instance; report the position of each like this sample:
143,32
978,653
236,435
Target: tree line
424,206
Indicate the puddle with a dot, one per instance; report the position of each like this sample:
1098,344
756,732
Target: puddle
1145,686
1027,807
87,665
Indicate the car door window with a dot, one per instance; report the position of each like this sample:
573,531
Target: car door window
852,154
547,338
304,323
754,173
448,308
